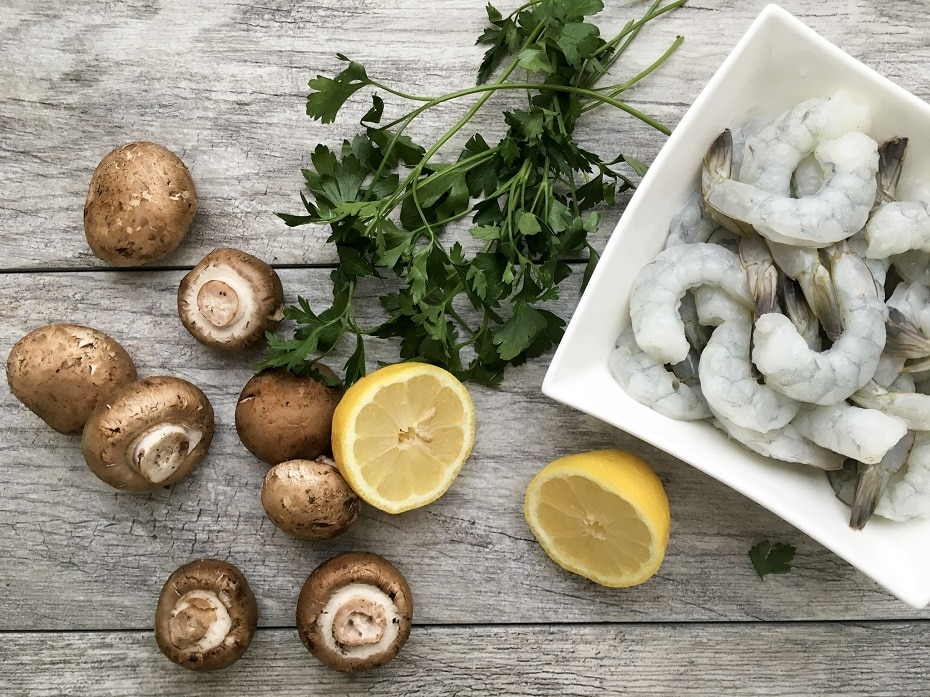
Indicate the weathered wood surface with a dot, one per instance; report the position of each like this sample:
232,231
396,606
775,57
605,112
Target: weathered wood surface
223,84
786,660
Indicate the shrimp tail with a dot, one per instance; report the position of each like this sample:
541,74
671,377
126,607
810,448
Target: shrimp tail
872,481
890,164
824,303
904,339
718,166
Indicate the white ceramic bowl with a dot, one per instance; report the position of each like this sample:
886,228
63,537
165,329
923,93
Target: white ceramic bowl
778,63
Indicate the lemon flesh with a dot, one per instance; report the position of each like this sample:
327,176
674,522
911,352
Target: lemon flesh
603,515
402,433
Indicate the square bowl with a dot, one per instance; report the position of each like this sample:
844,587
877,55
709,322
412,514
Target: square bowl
777,63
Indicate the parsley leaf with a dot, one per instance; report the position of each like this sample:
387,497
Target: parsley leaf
771,558
528,202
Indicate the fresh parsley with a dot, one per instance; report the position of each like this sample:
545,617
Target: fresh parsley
529,200
771,558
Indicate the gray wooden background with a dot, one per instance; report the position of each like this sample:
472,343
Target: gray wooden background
223,84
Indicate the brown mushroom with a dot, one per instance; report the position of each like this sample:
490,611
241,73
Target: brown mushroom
151,433
309,499
206,615
282,416
354,611
230,299
140,204
62,371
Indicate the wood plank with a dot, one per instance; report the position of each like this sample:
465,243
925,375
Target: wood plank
781,660
223,84
75,554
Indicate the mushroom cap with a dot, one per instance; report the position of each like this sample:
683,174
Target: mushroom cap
181,625
153,422
283,416
140,204
62,371
309,499
348,575
230,299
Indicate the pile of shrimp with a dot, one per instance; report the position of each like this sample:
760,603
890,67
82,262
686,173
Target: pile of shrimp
791,306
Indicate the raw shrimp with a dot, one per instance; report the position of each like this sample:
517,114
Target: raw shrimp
785,444
799,312
761,273
729,386
898,227
908,492
805,266
791,367
865,435
808,178
912,266
650,382
872,481
913,408
690,225
660,285
775,152
837,211
862,486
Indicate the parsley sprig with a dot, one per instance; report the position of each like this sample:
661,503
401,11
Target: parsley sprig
530,201
769,557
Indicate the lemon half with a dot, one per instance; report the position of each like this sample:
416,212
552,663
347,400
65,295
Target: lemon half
603,515
402,433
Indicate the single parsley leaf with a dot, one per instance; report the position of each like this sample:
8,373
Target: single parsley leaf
771,558
329,94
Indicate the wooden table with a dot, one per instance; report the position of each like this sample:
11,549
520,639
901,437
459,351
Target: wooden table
223,84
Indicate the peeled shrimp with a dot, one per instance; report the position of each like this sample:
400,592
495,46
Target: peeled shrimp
729,386
690,225
827,377
651,383
785,444
837,211
898,227
773,154
660,285
907,494
865,435
913,408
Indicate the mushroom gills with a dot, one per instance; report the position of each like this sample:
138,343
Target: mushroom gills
159,451
199,621
359,621
225,302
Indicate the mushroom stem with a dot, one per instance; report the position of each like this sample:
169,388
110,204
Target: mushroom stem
218,302
359,620
159,451
199,621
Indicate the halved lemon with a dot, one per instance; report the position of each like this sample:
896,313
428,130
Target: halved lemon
602,514
402,433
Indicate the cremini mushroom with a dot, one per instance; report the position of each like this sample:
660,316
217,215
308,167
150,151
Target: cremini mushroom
206,615
230,299
151,433
61,372
309,499
282,416
354,611
140,204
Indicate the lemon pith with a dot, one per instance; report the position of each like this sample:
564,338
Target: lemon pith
603,515
402,433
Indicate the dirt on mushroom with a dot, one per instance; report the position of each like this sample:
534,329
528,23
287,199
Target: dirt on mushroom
206,615
230,299
62,371
355,611
152,432
309,499
282,416
140,204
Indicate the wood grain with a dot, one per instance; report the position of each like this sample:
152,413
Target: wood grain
223,84
782,660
